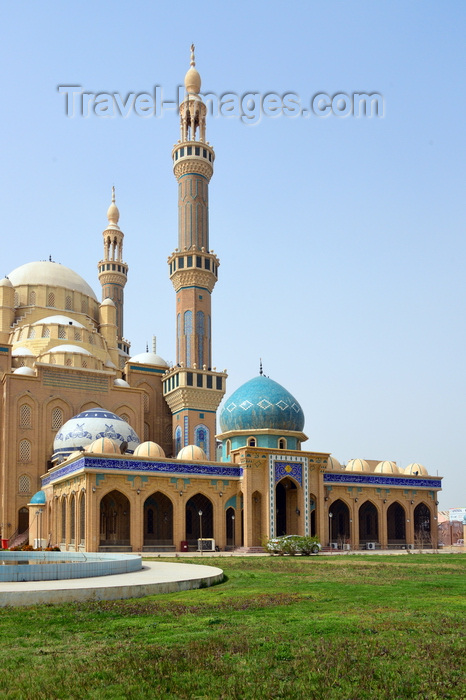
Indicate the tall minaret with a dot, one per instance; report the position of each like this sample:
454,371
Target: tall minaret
113,272
193,389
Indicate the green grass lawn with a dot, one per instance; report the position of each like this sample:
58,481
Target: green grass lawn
301,627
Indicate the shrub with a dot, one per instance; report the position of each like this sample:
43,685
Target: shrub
292,545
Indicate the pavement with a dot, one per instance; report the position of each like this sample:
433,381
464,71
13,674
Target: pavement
154,578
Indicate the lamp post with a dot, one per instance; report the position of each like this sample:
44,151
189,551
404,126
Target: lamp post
233,528
200,529
330,516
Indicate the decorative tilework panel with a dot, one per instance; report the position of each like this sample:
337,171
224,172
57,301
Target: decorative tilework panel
141,466
381,480
294,470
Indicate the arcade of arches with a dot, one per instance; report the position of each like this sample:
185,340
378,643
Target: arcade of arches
137,511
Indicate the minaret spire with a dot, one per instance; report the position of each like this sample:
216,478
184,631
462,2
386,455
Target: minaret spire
113,272
193,272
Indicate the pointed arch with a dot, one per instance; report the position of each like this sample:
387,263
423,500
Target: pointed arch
115,519
396,524
196,523
202,438
158,520
368,516
339,517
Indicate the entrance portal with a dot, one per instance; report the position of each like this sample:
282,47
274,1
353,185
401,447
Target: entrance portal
286,508
422,533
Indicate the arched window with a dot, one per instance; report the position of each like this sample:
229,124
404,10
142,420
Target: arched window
68,303
84,306
228,447
16,299
45,332
32,332
177,440
24,484
77,335
251,442
146,402
146,432
51,299
201,438
68,362
62,332
63,520
82,518
32,298
188,331
282,444
73,519
125,417
56,418
84,364
25,416
200,330
24,451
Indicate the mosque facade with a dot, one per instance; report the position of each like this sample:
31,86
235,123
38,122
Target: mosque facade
105,450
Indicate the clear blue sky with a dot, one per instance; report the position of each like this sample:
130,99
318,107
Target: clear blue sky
341,240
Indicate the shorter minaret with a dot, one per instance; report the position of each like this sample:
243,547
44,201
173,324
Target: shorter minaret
113,272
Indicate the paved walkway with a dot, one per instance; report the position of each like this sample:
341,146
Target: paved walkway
155,577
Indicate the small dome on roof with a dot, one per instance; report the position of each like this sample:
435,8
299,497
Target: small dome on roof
68,348
149,449
149,358
192,452
121,382
52,274
108,302
416,469
357,465
386,467
104,446
333,463
5,282
22,352
39,499
25,370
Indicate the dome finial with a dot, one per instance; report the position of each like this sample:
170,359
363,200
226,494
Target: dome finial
260,366
113,214
192,79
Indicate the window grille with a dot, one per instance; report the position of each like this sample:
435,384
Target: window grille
62,332
25,416
45,332
57,418
24,484
25,451
51,299
68,303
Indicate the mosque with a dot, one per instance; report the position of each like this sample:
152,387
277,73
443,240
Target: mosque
102,450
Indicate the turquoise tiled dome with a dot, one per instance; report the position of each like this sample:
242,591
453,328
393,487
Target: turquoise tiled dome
261,403
38,498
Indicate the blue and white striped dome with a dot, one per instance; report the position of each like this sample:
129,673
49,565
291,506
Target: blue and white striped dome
90,425
261,403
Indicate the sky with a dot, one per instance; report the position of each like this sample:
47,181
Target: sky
341,238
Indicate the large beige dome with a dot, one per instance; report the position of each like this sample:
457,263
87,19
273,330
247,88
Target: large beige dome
49,274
